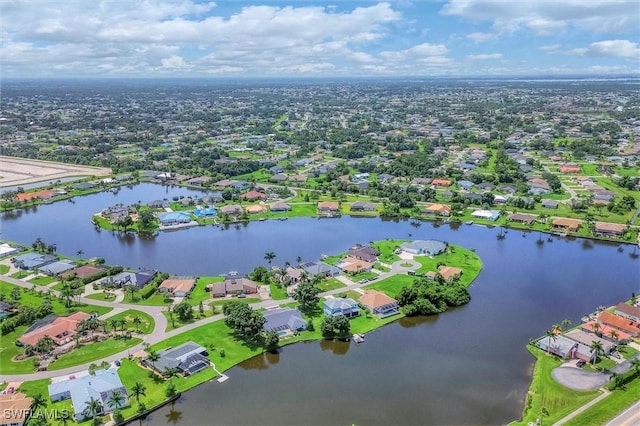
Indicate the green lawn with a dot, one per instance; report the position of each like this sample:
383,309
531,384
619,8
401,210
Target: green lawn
362,276
387,248
222,301
145,327
43,280
545,392
330,284
20,274
93,352
278,292
456,256
177,322
41,387
610,407
199,293
157,299
392,285
8,350
102,296
4,269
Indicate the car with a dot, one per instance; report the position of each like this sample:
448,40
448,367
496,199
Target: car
10,390
117,363
580,364
241,295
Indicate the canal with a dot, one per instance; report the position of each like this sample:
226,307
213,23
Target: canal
467,366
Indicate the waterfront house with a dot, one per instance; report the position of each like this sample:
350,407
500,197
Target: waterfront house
38,195
550,204
232,209
6,249
15,407
428,247
558,345
174,218
351,265
83,271
60,329
366,253
362,206
565,224
491,215
188,358
137,279
605,331
280,207
178,287
256,209
379,303
57,268
606,229
233,284
284,321
587,339
620,323
527,219
33,260
81,389
448,273
328,208
333,306
437,209
628,311
320,268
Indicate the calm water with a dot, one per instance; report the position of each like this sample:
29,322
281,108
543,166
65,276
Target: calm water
468,366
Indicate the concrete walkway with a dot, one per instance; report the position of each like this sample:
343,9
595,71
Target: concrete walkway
605,393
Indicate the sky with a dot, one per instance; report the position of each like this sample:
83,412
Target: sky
331,38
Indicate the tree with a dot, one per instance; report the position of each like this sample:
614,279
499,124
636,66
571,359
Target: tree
299,260
271,341
613,335
336,326
566,323
551,335
635,363
93,407
116,399
597,349
152,357
245,322
543,413
79,253
137,321
269,256
38,403
131,289
307,295
45,345
184,311
138,390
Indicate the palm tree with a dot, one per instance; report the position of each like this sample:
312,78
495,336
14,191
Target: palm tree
138,390
137,321
152,357
116,399
67,294
543,413
131,289
114,325
79,253
598,350
38,402
269,256
614,335
93,407
551,335
566,323
170,373
596,327
299,260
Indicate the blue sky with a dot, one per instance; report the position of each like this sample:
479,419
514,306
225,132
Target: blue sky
183,38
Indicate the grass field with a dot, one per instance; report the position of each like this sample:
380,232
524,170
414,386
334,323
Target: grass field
93,352
392,285
387,248
43,280
277,292
4,269
330,284
145,327
102,296
455,256
200,293
545,392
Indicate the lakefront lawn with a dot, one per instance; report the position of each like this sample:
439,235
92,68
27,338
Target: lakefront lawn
93,352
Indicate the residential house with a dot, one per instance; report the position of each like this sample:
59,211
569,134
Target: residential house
465,184
379,303
189,358
38,195
298,178
6,249
81,389
384,177
473,197
629,312
491,215
441,182
158,204
328,208
499,199
232,209
448,273
205,212
233,284
565,224
558,345
280,207
437,209
254,196
569,168
587,339
199,181
83,271
138,279
256,209
428,247
33,260
15,407
278,178
178,287
366,253
174,218
609,229
486,186
620,323
351,265
527,219
276,170
550,204
606,332
333,306
60,329
57,268
362,206
284,321
320,268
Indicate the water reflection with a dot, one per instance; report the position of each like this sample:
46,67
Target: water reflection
337,347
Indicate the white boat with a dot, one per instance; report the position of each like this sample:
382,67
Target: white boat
358,338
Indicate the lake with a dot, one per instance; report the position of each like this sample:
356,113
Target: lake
467,366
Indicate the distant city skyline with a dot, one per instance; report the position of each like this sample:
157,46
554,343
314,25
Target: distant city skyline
268,38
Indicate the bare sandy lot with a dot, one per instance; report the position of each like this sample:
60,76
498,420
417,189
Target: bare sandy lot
18,171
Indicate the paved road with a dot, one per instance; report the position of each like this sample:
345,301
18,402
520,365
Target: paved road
159,333
629,417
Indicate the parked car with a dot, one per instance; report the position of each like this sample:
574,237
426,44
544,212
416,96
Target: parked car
10,390
580,364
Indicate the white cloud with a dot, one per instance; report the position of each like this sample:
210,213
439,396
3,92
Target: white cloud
481,37
174,62
547,17
614,48
484,56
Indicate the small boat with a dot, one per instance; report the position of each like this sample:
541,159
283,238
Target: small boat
283,218
469,222
358,338
261,219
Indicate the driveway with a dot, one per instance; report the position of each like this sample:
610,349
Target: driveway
577,379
